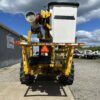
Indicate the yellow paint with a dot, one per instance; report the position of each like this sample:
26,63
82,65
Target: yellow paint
48,26
29,36
25,60
30,48
45,14
53,56
69,61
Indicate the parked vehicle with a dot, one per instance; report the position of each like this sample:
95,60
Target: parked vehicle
78,54
89,54
97,54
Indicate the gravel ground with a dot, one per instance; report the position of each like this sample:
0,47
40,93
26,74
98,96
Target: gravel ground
10,74
87,80
11,88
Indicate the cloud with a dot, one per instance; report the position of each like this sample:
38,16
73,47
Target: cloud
33,38
90,15
89,37
96,36
88,9
22,6
25,36
83,34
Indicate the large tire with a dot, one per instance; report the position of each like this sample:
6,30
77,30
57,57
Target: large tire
67,80
25,79
22,75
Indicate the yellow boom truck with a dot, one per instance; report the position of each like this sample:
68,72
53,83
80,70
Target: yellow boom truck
55,29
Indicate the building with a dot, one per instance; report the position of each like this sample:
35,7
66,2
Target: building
9,53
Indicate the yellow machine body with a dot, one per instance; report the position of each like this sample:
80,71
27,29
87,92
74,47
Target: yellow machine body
67,51
59,61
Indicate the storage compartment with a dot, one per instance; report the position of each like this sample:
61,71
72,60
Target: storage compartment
63,21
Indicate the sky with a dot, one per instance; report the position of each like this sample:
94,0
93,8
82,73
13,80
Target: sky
12,14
